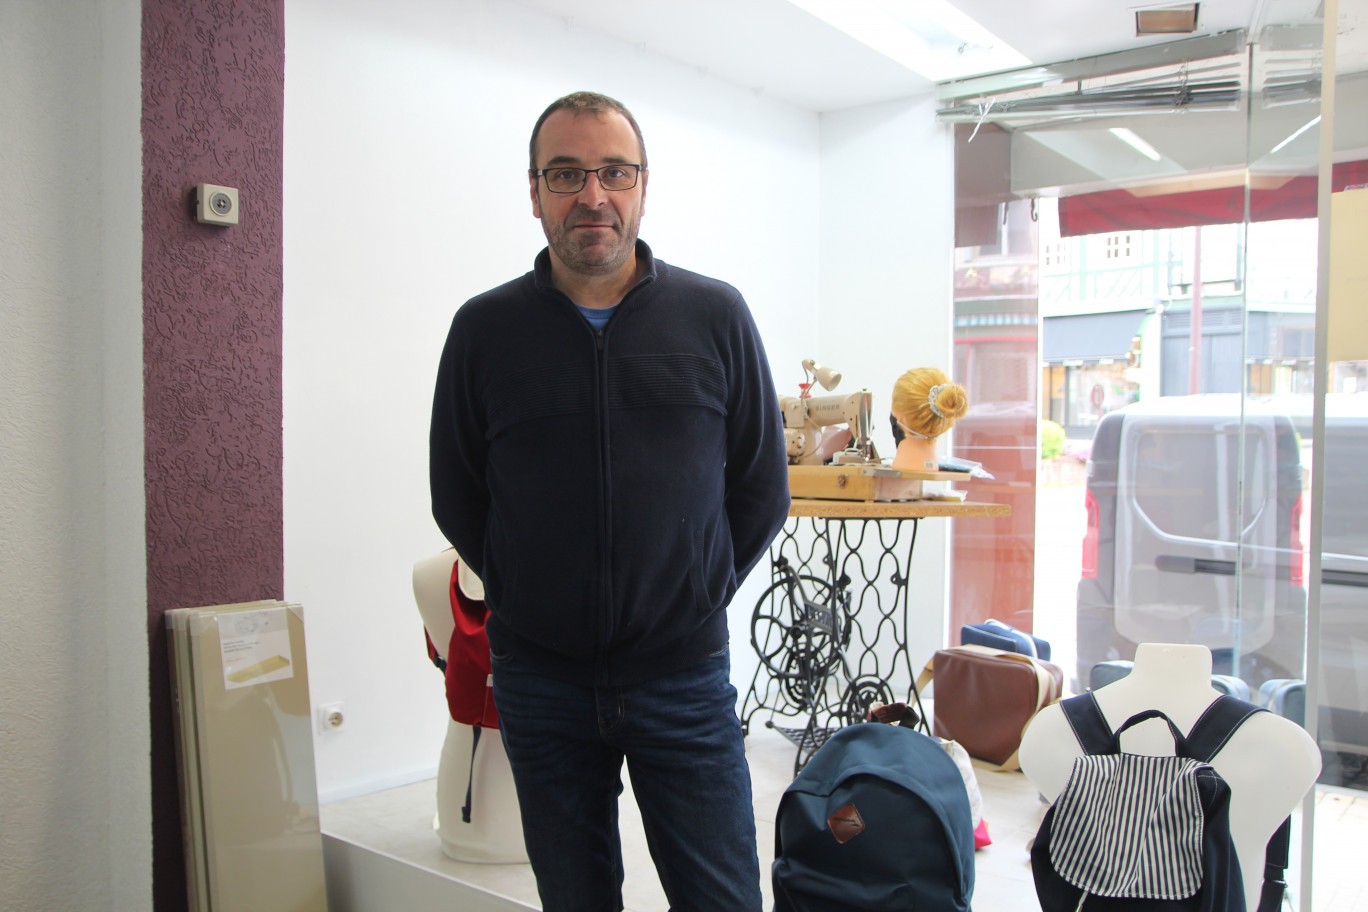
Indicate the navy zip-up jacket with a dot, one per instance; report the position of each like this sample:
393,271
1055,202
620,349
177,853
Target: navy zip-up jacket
611,488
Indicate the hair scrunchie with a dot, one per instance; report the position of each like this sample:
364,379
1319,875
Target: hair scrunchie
931,399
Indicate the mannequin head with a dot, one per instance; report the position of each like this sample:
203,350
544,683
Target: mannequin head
926,404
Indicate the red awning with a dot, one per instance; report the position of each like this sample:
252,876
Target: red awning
1109,211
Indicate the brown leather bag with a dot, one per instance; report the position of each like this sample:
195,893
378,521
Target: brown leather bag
984,698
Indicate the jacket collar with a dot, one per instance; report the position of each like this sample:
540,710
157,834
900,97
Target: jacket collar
541,267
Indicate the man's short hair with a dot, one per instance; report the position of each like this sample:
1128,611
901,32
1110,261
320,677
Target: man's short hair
584,103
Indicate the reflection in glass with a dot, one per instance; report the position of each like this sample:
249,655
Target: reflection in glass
1174,302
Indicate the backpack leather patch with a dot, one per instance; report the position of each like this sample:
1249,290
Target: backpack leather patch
846,823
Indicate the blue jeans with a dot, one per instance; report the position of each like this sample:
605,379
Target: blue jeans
682,742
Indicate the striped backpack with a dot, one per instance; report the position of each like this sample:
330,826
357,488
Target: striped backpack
1138,832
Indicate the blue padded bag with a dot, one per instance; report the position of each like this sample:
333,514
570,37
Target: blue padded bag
1286,697
1104,673
1231,686
877,821
997,635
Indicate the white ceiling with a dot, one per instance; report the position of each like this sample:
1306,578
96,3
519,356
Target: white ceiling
777,49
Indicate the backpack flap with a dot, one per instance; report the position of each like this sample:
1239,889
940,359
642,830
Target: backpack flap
1128,825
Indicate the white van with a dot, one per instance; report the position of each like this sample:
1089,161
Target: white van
1195,536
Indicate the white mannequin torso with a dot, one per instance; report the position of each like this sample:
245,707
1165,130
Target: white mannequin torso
1269,763
432,592
494,835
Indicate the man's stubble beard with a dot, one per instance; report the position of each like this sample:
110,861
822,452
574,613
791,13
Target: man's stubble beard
573,256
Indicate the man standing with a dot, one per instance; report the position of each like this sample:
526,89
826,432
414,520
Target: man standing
607,454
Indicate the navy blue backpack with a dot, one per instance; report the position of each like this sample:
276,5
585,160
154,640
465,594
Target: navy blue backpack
877,821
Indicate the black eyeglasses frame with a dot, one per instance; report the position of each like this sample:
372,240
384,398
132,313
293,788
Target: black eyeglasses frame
636,176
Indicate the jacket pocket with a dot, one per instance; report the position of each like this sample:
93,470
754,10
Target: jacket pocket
698,571
711,575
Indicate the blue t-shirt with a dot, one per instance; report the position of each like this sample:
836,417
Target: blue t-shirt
598,317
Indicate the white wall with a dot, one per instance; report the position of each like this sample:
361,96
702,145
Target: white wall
887,249
74,773
405,193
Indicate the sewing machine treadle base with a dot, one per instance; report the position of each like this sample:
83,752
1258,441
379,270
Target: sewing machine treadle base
830,632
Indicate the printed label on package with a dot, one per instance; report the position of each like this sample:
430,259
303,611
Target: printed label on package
256,647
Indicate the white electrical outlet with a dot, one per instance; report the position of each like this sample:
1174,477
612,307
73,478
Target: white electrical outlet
215,205
331,717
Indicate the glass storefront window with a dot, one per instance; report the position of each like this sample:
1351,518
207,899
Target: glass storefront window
1174,304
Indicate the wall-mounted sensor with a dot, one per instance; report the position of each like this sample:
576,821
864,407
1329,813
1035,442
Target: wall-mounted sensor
215,205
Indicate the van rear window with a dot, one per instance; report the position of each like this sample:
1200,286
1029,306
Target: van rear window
1185,480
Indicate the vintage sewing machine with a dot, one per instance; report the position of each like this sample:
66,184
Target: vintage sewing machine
830,452
820,430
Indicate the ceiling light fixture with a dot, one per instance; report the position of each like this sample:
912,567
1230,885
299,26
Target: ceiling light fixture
1128,137
1304,127
929,37
1169,20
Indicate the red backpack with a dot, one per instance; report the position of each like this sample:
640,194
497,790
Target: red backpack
469,684
469,677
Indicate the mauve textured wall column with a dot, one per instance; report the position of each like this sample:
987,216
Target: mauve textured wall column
213,112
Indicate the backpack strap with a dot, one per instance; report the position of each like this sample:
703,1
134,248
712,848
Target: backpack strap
1275,868
1089,726
1096,737
470,783
1217,724
894,714
1179,741
1209,735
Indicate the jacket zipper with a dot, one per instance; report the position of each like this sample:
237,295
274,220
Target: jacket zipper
605,626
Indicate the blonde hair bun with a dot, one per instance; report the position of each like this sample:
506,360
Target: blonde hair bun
927,403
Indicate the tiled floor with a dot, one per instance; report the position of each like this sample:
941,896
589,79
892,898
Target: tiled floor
398,822
1341,839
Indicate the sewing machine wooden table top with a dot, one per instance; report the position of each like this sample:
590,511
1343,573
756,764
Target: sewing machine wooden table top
910,509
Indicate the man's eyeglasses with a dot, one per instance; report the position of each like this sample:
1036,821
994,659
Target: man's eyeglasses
572,180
